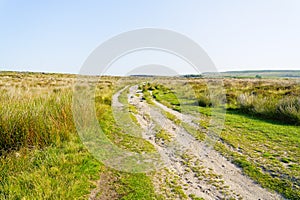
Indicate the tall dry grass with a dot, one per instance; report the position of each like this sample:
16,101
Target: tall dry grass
35,110
277,99
285,109
34,120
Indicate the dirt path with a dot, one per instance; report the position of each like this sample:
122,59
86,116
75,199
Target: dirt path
191,169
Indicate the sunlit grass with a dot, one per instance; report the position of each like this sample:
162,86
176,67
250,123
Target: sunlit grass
42,156
266,148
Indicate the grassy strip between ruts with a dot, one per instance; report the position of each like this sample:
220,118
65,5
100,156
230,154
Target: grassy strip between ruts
136,185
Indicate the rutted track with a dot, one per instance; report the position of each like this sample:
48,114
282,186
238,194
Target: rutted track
195,170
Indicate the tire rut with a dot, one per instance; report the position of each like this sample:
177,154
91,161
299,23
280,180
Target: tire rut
192,169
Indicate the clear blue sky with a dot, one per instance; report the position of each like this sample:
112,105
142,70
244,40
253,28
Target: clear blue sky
57,36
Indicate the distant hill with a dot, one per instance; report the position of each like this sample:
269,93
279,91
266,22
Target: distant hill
256,74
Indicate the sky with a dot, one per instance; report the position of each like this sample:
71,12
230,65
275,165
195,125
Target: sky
58,36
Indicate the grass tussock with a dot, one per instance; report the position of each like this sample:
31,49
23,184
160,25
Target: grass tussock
268,98
35,120
286,109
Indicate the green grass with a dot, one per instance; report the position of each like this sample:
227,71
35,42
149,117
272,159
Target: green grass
263,149
194,197
267,150
42,156
138,186
194,131
61,172
164,95
171,117
147,96
134,185
34,120
190,129
125,116
118,136
164,135
269,98
176,189
286,109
